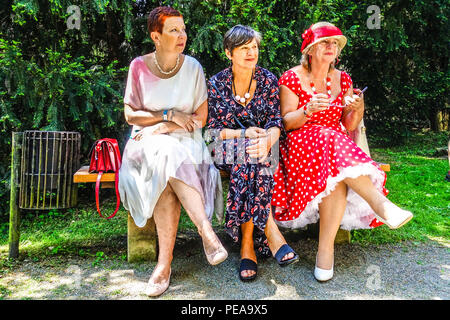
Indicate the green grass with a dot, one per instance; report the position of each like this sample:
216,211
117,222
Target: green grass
76,231
416,183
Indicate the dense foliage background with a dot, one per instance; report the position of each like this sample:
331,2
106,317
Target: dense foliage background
53,77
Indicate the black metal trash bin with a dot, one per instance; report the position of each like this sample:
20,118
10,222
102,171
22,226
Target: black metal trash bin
49,160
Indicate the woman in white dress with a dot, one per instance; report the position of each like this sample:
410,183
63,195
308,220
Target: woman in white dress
166,163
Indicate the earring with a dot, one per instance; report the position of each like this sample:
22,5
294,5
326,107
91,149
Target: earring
337,61
309,59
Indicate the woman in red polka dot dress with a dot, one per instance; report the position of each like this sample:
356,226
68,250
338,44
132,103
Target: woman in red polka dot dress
322,172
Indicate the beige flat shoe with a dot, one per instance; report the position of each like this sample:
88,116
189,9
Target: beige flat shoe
210,242
217,257
157,289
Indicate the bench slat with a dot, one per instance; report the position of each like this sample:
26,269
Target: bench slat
83,175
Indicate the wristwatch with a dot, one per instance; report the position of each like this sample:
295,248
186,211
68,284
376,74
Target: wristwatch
165,115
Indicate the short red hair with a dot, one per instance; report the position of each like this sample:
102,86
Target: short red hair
157,17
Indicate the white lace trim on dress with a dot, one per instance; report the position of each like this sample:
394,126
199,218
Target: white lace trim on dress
358,214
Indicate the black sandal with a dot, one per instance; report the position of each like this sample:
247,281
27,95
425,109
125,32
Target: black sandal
284,250
247,264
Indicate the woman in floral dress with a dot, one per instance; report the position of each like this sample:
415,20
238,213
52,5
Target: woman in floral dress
244,121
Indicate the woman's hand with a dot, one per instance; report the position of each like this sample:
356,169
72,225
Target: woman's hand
160,128
255,132
186,121
198,121
355,102
259,147
318,103
353,110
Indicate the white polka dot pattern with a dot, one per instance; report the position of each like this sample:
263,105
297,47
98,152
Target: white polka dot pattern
315,153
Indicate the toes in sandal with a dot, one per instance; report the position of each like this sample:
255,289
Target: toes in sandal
284,250
247,264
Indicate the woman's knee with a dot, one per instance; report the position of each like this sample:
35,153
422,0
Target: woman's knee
168,200
341,189
168,192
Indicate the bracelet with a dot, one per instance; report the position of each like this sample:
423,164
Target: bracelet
305,113
165,115
132,136
243,133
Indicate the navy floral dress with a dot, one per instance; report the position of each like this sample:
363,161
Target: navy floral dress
251,183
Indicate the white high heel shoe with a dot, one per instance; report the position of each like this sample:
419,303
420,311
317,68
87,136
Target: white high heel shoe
157,289
323,274
397,218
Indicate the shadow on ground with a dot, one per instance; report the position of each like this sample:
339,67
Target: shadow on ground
402,271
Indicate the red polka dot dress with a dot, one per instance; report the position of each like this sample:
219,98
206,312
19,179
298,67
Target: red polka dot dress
314,159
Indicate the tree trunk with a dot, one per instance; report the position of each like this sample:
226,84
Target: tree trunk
434,120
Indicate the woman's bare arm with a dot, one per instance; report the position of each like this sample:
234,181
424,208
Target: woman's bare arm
180,119
201,114
354,112
293,118
142,118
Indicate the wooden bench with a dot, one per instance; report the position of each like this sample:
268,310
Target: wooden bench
141,242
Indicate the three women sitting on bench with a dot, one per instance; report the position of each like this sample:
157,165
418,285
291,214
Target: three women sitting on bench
251,117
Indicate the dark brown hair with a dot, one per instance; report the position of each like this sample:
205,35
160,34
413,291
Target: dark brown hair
238,36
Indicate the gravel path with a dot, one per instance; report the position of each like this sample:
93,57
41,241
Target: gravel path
402,271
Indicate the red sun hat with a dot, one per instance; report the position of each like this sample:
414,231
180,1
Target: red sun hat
311,37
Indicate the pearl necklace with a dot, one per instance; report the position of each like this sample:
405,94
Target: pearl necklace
313,88
167,72
243,99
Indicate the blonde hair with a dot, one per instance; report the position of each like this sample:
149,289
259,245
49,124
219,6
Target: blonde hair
304,61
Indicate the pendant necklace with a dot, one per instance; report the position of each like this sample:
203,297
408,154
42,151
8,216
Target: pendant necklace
313,87
243,99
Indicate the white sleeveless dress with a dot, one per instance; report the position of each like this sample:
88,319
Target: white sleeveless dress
148,164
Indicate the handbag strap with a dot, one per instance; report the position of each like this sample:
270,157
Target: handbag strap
97,191
117,161
117,158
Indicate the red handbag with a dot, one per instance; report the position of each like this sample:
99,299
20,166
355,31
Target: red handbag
105,157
